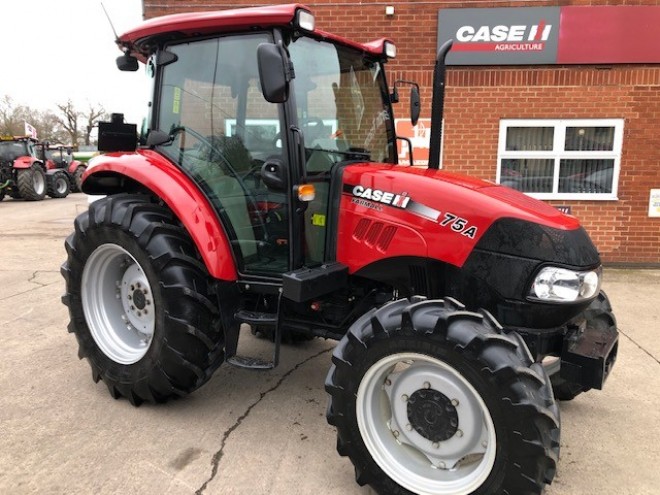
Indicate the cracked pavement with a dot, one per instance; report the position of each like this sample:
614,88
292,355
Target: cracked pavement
252,433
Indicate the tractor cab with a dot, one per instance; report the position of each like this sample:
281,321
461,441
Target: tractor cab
261,121
13,148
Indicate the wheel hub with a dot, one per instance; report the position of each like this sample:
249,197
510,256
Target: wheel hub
139,299
432,415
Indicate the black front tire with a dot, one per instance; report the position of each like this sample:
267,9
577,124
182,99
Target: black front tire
184,345
434,351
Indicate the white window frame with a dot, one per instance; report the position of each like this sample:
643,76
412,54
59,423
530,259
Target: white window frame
557,153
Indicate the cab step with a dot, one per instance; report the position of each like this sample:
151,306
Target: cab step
258,318
251,363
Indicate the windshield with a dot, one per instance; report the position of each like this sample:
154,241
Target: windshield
11,150
342,102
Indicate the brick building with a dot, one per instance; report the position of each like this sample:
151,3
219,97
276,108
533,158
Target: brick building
578,130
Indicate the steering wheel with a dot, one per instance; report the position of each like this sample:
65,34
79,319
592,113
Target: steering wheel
227,166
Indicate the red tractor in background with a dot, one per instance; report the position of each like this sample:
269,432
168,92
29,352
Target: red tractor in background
263,190
61,158
23,171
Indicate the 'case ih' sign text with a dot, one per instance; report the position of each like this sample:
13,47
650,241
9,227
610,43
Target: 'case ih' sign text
551,35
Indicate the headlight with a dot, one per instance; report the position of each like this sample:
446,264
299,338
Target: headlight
555,284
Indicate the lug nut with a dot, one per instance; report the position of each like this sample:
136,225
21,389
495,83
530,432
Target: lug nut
459,433
404,398
396,433
454,402
388,382
484,444
409,427
436,445
427,385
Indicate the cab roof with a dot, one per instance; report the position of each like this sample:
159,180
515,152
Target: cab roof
140,39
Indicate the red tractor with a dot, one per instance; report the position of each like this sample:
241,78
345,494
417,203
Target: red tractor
23,171
264,191
61,158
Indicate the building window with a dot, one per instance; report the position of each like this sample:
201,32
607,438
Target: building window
561,159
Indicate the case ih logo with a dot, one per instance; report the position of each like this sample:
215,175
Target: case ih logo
503,38
573,34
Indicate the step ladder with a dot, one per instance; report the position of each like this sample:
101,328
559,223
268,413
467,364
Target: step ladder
258,318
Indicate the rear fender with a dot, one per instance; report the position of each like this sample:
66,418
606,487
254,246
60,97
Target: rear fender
145,169
25,162
74,165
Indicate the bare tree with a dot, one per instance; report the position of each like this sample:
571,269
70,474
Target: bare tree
79,124
69,120
93,116
12,117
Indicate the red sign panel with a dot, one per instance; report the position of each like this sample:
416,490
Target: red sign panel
609,35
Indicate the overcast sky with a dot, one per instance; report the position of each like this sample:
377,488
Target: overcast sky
53,50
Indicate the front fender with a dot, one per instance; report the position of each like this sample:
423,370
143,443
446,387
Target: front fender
109,174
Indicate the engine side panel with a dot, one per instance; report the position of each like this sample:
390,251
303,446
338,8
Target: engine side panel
155,173
427,213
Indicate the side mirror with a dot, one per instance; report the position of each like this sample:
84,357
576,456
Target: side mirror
273,74
127,63
415,107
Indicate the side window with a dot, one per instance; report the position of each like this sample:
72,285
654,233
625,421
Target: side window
222,131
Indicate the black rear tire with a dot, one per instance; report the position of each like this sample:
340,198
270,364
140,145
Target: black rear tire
437,339
58,185
76,183
186,344
31,183
597,315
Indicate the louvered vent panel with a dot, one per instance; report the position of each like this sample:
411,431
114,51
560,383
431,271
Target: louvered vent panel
418,281
361,229
373,234
386,237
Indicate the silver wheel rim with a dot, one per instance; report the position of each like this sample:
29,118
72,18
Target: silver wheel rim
456,466
38,182
118,304
60,185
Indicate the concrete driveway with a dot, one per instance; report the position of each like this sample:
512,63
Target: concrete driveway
247,432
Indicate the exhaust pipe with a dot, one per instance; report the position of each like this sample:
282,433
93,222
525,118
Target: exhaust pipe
438,105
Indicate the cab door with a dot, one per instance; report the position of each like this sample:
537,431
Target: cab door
222,132
343,110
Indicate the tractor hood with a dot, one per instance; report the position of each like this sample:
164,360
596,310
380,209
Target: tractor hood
436,214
